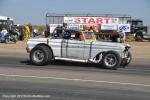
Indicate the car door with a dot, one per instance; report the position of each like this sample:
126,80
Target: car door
75,49
87,49
64,48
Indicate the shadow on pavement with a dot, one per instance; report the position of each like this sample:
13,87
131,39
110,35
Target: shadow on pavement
62,63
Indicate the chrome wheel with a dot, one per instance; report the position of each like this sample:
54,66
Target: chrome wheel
38,56
110,60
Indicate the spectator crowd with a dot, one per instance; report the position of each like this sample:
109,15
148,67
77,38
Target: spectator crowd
17,32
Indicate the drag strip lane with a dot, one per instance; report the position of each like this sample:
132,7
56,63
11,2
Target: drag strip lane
74,80
78,80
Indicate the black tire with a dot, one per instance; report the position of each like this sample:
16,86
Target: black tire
7,41
139,36
43,58
115,60
129,58
15,41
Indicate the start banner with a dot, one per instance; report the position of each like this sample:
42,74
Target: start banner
91,20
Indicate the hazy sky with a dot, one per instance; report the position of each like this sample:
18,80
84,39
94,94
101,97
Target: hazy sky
33,11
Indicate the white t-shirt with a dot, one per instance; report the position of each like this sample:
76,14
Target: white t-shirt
4,32
122,35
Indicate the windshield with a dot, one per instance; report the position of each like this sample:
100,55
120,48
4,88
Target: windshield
138,23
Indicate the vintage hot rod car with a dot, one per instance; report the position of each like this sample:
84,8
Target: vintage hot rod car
83,47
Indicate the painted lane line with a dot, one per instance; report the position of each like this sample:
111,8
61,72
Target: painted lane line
79,80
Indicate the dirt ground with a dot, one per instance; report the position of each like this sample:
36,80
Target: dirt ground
138,49
19,47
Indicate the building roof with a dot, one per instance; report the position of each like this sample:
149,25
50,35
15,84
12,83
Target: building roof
4,18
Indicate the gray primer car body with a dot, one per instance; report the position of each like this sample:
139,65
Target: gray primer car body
77,50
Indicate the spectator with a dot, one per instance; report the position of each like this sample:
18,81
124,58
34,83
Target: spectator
64,26
122,36
35,31
21,31
47,31
27,32
4,32
31,30
8,24
1,27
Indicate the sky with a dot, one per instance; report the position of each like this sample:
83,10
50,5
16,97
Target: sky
34,11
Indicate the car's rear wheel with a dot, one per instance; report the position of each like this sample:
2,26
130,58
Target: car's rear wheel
40,55
111,60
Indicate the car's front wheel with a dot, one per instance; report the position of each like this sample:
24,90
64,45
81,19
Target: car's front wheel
128,59
111,60
40,55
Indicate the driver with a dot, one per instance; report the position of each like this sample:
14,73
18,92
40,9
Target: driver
61,31
58,32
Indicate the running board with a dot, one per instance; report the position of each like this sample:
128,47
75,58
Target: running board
76,60
70,59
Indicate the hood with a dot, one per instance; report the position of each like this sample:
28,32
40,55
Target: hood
110,44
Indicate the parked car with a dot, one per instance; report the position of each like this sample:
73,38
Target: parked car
82,47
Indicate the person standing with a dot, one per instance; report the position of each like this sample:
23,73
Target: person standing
31,31
21,30
47,31
27,32
122,36
8,24
4,32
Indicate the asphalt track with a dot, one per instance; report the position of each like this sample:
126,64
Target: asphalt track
62,80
